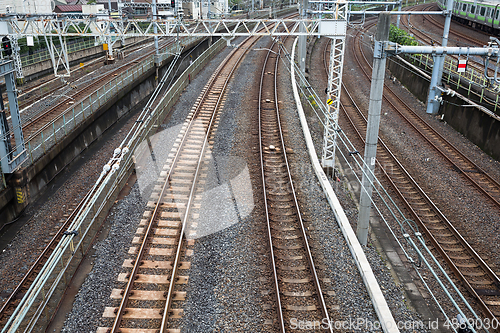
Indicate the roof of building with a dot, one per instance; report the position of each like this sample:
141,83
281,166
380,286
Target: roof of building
70,8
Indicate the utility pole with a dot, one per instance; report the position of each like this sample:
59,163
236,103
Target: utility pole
437,69
374,108
155,28
108,39
157,53
399,16
303,39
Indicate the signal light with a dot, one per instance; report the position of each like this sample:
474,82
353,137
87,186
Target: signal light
172,3
7,47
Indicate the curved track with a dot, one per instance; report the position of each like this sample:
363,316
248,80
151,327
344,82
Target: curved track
432,20
470,171
297,287
15,296
478,278
458,37
36,92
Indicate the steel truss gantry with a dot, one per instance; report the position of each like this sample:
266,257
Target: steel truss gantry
89,26
339,11
112,29
334,87
108,28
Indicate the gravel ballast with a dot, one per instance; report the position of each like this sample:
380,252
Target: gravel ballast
230,286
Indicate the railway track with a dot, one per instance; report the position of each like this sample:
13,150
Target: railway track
31,93
297,287
16,295
457,36
35,124
482,283
154,288
463,39
469,170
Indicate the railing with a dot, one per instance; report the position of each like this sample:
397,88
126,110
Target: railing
472,80
39,302
36,307
45,55
52,133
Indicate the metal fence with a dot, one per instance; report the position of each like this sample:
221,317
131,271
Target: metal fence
38,143
472,80
50,134
36,307
31,59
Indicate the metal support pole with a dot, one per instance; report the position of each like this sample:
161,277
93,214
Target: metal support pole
108,39
334,88
437,69
120,23
16,56
375,105
398,20
15,116
303,39
155,29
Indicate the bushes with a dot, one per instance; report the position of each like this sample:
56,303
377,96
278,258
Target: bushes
401,37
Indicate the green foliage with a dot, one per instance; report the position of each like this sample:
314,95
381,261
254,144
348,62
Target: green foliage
312,101
401,37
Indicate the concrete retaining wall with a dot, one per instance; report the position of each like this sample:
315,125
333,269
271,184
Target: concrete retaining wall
477,126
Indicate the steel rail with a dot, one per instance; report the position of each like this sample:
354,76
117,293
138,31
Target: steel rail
293,193
40,260
170,293
297,207
30,99
42,279
491,183
466,246
146,238
436,244
200,160
473,63
273,260
104,78
433,21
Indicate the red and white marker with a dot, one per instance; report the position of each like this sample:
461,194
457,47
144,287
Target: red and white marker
462,65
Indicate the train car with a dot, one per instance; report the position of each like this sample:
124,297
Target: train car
479,14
